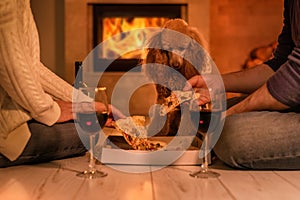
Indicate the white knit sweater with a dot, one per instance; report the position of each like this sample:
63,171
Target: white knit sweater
27,87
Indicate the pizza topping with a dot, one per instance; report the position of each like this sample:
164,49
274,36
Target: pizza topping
133,125
134,132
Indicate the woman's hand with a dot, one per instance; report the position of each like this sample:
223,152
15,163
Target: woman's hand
113,113
66,111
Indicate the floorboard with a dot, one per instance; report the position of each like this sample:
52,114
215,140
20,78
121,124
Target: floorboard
57,180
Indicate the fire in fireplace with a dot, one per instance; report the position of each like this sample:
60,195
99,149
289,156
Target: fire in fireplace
117,25
114,19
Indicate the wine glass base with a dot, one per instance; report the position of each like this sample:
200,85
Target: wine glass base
92,174
204,174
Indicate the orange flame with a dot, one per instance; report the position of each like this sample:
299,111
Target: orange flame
128,41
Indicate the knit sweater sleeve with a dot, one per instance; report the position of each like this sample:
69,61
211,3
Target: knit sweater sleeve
18,77
54,85
57,87
51,83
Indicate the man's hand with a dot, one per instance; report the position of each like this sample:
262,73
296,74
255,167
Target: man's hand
206,86
200,88
195,82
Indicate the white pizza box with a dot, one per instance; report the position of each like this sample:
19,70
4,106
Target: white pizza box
174,154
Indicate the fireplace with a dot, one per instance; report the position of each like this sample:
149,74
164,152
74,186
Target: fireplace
79,27
119,19
81,36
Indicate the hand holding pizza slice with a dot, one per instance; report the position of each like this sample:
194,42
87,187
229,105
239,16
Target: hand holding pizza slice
178,97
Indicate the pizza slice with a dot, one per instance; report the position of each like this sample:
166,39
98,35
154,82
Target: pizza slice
134,132
175,99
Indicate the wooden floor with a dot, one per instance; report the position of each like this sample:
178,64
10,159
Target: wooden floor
57,180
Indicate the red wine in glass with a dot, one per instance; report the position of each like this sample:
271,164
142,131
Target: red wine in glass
205,120
91,122
102,118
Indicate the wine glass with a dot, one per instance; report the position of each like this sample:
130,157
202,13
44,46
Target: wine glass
91,116
207,119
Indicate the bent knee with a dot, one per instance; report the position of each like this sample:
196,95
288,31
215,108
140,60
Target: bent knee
234,145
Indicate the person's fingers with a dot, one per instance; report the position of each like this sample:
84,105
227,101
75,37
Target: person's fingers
187,86
64,104
190,83
66,113
109,122
117,114
203,100
194,82
100,107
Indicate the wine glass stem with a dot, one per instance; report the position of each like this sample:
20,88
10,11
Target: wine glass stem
92,160
204,166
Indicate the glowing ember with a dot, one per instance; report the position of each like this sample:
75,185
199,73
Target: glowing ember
127,41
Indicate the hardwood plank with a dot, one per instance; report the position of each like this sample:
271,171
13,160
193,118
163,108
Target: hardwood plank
291,177
117,185
57,180
175,183
24,182
257,185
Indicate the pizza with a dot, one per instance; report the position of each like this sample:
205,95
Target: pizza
175,99
135,133
178,97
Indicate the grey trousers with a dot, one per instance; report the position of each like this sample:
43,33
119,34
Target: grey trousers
261,140
49,143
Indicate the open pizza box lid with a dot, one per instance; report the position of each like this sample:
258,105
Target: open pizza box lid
181,150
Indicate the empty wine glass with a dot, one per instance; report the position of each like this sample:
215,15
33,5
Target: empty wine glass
91,116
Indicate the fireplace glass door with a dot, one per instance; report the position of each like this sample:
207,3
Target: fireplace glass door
115,23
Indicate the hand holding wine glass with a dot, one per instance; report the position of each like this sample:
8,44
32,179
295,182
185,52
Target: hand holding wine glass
66,111
208,120
91,116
